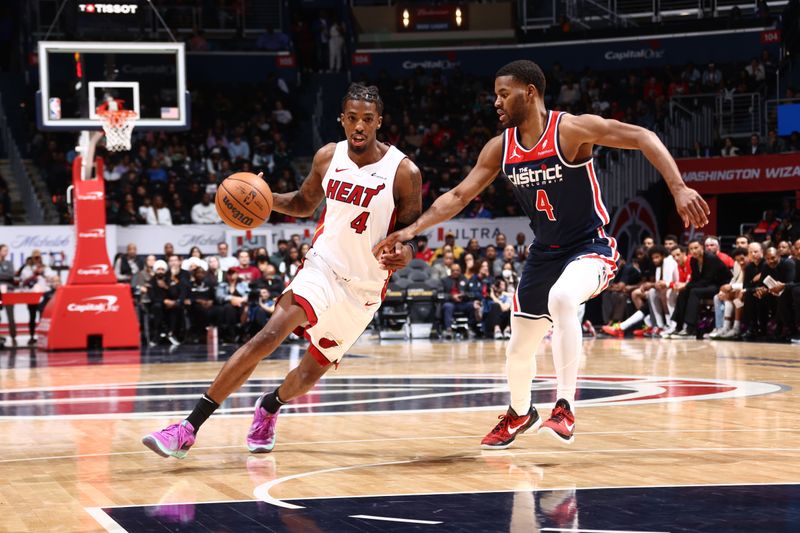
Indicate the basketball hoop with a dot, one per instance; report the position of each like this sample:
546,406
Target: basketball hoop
118,126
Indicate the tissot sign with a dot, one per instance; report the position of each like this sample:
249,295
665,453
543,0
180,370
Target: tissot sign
761,173
108,9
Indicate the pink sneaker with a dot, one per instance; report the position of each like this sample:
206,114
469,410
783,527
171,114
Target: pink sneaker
261,437
174,440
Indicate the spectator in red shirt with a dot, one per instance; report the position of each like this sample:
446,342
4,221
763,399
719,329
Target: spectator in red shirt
436,136
766,225
247,272
653,89
712,245
423,252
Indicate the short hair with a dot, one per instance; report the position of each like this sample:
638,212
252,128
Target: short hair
671,237
657,249
680,247
358,91
712,239
745,237
694,240
739,251
525,71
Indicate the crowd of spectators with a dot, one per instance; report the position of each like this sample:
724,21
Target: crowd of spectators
673,291
440,119
667,290
180,298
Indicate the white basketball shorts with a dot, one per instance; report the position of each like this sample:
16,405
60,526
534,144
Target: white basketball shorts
338,311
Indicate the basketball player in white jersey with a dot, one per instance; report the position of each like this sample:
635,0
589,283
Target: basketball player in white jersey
369,187
547,157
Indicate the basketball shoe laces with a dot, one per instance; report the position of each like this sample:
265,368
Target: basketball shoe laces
177,432
559,414
505,420
265,425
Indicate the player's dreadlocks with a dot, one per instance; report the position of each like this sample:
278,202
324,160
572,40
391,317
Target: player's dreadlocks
357,91
525,71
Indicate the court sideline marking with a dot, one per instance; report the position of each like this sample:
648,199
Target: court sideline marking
262,492
110,525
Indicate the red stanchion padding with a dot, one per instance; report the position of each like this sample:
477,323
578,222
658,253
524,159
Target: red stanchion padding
77,312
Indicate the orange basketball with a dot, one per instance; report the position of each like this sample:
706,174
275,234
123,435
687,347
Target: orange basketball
244,201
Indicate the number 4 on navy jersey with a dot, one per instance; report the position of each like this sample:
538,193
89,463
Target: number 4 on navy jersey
543,204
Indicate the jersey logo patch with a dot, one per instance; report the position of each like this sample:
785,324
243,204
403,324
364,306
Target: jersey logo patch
514,154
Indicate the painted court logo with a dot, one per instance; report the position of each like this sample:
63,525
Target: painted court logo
357,394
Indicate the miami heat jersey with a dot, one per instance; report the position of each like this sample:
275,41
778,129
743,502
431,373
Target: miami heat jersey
359,213
562,200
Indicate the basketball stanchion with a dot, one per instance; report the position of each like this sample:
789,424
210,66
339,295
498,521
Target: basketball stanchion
91,307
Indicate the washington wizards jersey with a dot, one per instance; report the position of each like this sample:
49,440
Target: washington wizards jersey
562,200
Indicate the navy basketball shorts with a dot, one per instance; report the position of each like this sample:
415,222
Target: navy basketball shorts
545,265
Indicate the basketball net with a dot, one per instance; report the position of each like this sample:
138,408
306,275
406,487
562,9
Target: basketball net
118,127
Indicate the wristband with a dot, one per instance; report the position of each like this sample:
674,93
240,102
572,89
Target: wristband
413,244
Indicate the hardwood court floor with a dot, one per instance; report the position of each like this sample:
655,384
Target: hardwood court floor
405,419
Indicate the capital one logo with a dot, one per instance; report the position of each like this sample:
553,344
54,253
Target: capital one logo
115,9
95,304
94,270
98,233
91,196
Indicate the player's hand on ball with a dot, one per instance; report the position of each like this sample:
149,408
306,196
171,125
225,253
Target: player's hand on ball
692,208
387,245
396,259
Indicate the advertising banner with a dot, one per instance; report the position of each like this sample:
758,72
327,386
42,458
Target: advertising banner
604,54
239,67
761,173
57,243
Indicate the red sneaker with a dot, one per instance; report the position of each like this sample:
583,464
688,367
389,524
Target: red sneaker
614,331
561,423
509,427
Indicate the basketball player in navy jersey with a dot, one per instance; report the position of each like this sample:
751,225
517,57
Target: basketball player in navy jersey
547,156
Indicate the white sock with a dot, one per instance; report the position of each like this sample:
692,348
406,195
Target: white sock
632,320
736,325
526,335
577,283
728,314
655,308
